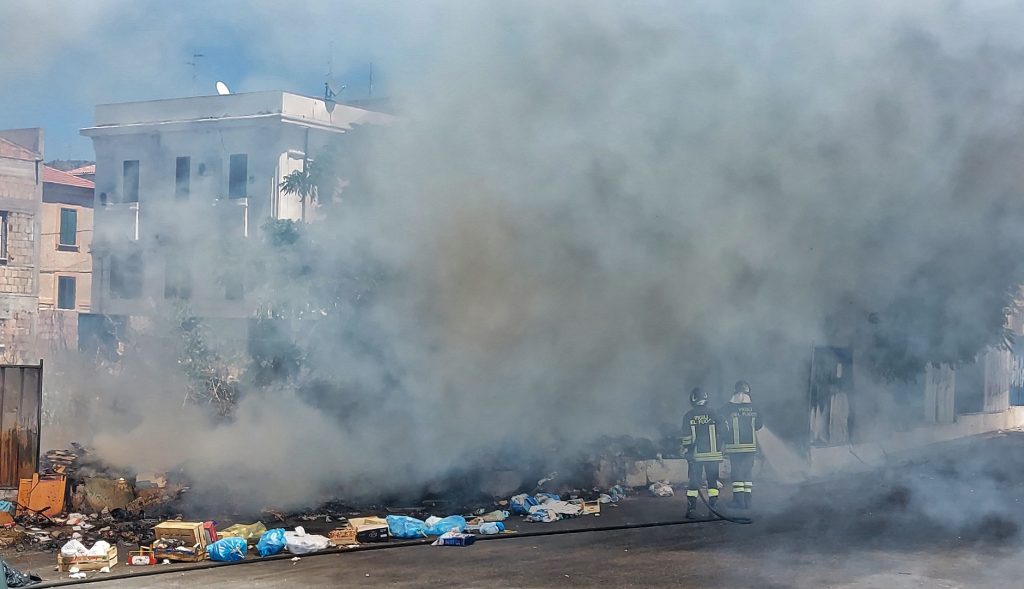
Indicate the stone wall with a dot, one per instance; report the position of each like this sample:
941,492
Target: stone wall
20,202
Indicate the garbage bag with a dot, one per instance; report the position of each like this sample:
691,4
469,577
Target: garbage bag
441,525
228,550
543,498
494,516
491,528
299,542
271,542
405,527
543,515
661,489
73,548
16,578
522,503
100,548
248,532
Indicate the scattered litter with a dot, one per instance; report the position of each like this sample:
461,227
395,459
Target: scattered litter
661,489
454,538
299,542
105,570
436,526
271,542
249,532
296,559
228,549
491,528
77,575
547,479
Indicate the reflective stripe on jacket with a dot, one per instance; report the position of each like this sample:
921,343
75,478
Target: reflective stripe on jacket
744,421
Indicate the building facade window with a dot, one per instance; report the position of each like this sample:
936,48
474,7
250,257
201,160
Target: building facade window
4,231
182,177
130,188
238,175
65,292
177,279
68,228
126,276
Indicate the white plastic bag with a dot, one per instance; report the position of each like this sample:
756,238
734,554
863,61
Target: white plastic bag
73,548
299,542
661,489
100,548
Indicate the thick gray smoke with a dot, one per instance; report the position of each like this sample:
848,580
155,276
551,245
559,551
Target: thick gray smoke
590,207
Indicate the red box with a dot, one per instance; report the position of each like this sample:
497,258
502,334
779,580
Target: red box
211,531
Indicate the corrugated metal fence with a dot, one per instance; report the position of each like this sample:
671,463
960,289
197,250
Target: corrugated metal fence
21,400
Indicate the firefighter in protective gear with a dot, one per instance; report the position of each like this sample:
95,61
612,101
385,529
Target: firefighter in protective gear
741,447
703,433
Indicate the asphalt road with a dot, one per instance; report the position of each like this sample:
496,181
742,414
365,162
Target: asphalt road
949,517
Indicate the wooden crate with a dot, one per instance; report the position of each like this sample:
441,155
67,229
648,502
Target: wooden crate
192,534
87,563
179,556
343,536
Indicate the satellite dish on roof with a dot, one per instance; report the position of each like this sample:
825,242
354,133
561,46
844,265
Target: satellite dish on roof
222,89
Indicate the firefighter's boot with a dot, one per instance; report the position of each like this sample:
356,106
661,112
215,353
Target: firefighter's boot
737,497
691,508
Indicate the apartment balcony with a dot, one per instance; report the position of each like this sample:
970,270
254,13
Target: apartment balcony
117,222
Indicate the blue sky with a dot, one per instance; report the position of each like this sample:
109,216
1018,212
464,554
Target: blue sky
60,58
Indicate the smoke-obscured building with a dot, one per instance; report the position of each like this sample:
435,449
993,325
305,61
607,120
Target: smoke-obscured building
21,186
180,182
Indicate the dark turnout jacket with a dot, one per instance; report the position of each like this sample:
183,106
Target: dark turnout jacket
704,432
744,420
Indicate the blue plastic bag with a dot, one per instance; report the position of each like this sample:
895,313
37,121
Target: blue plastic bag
521,504
403,526
271,542
452,522
227,550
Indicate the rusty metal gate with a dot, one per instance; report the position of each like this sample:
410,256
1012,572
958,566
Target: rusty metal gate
21,404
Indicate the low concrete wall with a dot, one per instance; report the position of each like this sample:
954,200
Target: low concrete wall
828,461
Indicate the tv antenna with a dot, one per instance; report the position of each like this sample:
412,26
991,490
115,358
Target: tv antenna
329,91
195,62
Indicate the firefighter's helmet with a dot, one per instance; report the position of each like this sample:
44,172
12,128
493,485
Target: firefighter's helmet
742,386
698,398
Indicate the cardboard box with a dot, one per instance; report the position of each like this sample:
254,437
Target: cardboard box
87,563
372,534
193,534
348,534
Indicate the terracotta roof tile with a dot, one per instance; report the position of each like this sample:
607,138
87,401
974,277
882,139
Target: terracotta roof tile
90,169
55,176
12,150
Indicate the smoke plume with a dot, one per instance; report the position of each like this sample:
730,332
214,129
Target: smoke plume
587,208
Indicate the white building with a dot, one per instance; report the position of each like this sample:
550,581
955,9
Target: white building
175,178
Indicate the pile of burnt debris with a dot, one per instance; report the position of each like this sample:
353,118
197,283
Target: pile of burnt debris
76,496
86,510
